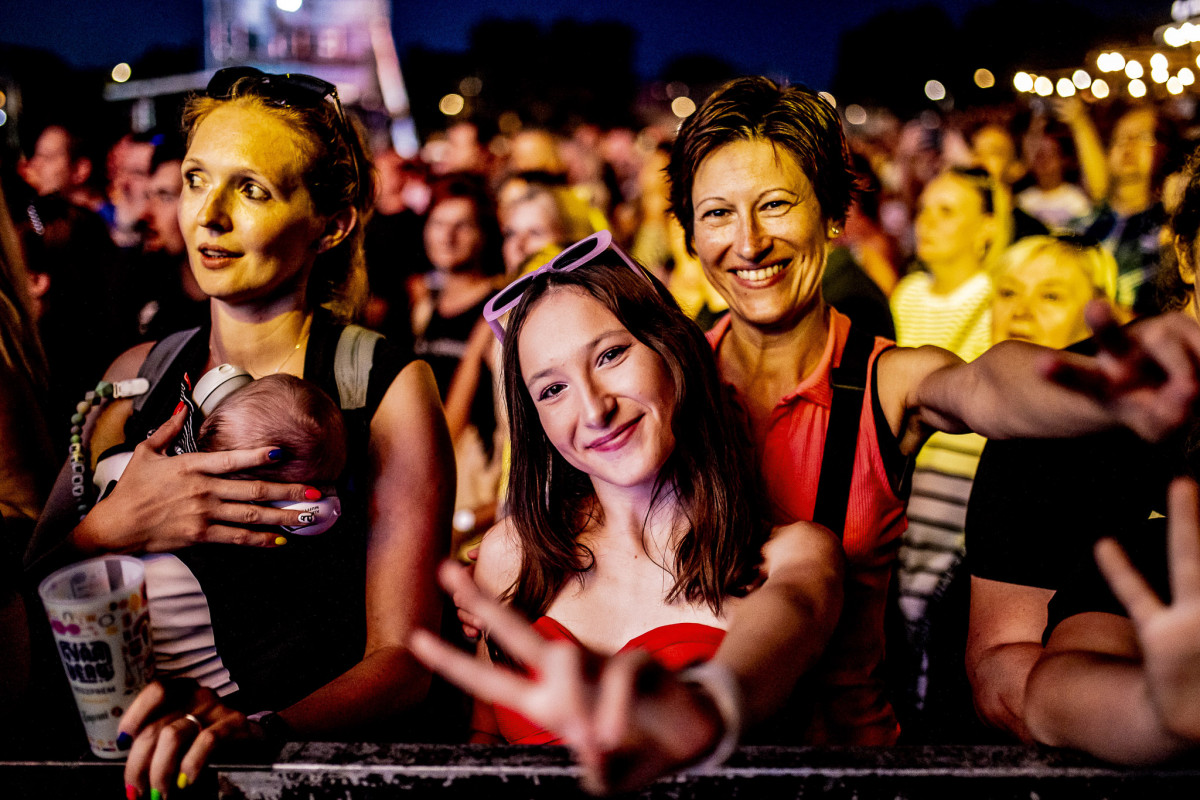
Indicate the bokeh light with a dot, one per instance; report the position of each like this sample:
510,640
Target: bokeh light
1174,86
1023,82
828,98
1043,86
1081,79
683,107
470,86
509,122
1159,75
1100,88
984,78
289,5
121,72
1133,70
1065,88
1158,61
3,117
1137,88
934,90
452,104
1186,76
856,114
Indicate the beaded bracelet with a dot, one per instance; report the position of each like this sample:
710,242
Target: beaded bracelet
77,454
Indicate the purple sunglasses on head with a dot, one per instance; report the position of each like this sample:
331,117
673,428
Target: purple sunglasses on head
582,252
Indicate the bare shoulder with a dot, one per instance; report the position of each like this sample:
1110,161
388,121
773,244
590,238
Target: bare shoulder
499,559
414,383
126,365
802,544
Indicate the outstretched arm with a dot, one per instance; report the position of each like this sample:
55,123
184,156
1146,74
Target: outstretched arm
1144,377
1128,689
629,721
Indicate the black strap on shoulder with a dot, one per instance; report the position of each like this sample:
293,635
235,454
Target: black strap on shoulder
160,358
849,382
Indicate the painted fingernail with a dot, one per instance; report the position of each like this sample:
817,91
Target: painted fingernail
131,792
275,454
280,540
182,780
312,494
182,405
124,741
155,794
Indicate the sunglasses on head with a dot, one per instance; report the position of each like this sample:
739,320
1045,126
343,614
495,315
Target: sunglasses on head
287,90
582,252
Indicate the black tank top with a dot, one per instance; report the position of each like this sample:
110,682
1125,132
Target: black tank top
287,620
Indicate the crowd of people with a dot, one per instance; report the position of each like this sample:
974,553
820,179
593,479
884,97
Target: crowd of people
764,429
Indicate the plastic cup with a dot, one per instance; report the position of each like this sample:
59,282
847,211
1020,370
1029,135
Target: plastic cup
101,623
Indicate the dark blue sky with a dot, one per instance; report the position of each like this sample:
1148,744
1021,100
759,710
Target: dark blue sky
796,39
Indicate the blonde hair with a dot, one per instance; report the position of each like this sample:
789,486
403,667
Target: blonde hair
330,153
1096,263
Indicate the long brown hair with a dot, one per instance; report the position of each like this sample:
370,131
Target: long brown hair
329,152
711,473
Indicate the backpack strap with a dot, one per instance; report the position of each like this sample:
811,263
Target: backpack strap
352,365
160,358
849,382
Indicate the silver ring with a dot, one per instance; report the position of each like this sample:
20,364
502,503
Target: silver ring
194,719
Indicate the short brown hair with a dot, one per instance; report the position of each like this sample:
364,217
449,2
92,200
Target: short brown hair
793,117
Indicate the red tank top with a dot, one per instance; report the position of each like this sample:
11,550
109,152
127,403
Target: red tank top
850,702
676,646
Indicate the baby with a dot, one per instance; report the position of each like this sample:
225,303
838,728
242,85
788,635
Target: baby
290,413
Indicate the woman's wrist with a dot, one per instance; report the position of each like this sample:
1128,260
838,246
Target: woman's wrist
720,686
273,728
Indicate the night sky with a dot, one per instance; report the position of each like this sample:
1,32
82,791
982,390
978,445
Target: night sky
794,39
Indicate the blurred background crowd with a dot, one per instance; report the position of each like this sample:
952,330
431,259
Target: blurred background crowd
1014,159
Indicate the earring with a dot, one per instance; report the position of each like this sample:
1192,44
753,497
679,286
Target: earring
834,230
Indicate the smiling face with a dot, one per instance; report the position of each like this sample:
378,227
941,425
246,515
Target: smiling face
251,229
951,223
759,232
1041,300
604,399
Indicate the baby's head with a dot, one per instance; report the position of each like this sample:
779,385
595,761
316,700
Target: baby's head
282,411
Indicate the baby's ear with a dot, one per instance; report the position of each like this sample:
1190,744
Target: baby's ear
337,228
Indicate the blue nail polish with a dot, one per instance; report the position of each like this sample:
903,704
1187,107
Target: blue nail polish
275,455
124,741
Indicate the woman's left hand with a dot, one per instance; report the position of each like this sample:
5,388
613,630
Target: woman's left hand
175,726
626,719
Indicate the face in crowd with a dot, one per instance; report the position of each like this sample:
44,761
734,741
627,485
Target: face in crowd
604,398
952,224
1041,299
248,219
160,220
52,168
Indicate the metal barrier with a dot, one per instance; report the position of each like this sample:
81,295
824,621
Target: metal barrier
355,771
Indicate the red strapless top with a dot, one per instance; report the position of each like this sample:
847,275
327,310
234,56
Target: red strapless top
675,646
